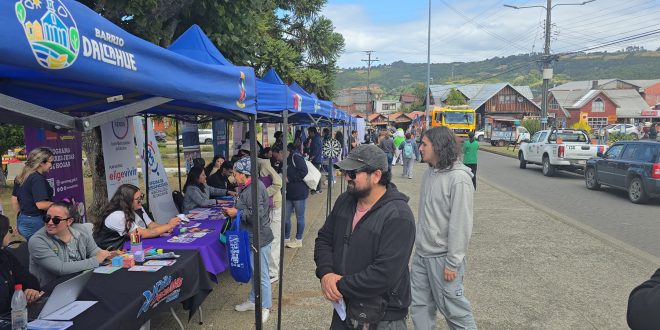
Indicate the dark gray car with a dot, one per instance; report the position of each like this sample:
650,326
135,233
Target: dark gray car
629,165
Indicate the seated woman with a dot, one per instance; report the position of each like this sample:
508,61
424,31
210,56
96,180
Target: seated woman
12,272
124,215
63,246
198,193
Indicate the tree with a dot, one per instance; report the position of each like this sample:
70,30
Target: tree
455,97
11,136
532,125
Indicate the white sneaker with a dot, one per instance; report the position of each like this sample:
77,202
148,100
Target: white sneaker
294,244
244,307
265,312
274,279
287,240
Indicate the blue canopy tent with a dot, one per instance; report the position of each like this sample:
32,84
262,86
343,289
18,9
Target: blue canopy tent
65,66
274,96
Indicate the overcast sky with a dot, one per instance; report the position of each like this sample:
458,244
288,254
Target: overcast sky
472,30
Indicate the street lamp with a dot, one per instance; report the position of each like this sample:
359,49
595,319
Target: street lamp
547,59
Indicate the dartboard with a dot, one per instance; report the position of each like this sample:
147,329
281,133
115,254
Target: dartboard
331,148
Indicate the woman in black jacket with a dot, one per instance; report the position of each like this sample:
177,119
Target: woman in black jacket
12,272
297,192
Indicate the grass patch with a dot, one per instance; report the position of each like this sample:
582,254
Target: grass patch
501,150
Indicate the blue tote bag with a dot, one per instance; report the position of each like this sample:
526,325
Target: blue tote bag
238,251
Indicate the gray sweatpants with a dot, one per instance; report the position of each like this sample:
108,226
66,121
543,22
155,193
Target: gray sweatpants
430,292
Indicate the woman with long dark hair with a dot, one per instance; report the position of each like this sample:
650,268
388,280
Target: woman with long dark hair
198,193
213,172
32,191
124,215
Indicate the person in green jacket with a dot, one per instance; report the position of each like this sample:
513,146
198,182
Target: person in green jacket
470,148
398,137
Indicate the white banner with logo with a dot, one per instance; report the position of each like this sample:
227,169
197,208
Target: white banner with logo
161,203
119,154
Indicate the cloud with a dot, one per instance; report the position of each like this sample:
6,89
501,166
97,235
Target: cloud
496,31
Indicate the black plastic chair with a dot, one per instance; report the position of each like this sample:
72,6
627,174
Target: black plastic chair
177,196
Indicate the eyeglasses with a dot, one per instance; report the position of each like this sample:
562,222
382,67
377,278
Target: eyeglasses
139,199
352,174
56,220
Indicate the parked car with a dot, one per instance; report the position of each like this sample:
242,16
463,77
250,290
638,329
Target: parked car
632,166
479,135
619,128
205,136
554,149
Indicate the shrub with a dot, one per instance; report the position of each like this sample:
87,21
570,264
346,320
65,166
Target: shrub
532,125
618,136
581,125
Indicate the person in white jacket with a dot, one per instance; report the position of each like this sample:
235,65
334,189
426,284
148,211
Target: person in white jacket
444,227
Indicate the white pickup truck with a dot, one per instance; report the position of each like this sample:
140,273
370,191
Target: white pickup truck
558,150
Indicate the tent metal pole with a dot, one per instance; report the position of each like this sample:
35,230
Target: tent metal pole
256,276
347,148
285,149
178,152
146,160
122,111
23,109
328,205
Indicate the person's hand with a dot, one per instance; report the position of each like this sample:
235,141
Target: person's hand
329,287
115,253
32,295
174,221
102,255
232,193
449,275
230,212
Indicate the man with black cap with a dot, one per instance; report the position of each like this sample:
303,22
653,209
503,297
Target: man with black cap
362,250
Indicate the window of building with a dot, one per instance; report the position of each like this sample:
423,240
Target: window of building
553,104
597,122
389,106
501,98
597,106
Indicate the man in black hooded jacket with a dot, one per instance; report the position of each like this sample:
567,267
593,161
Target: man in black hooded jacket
374,225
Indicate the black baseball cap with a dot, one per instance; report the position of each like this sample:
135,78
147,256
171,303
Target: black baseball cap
363,155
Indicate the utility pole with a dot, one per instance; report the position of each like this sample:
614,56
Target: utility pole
369,60
547,58
428,73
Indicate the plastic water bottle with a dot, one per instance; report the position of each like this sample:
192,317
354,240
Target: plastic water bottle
19,314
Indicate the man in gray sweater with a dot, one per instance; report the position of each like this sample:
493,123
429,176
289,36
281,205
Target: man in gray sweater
444,227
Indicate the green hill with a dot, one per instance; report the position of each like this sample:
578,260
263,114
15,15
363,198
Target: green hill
517,69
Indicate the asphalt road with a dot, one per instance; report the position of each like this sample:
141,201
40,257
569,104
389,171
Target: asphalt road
607,210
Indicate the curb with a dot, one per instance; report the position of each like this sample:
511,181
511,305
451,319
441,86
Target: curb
580,226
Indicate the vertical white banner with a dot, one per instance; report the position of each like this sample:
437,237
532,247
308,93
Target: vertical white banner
119,154
161,203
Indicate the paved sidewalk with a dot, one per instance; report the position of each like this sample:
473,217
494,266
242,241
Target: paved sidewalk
526,270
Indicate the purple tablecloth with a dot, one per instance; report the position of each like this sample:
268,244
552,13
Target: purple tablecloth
213,253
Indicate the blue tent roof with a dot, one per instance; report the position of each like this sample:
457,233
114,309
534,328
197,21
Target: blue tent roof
62,55
196,45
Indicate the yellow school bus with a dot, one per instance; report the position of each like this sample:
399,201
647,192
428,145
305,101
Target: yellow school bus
461,119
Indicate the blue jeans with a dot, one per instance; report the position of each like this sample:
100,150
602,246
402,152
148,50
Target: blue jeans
266,292
299,205
29,224
331,171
